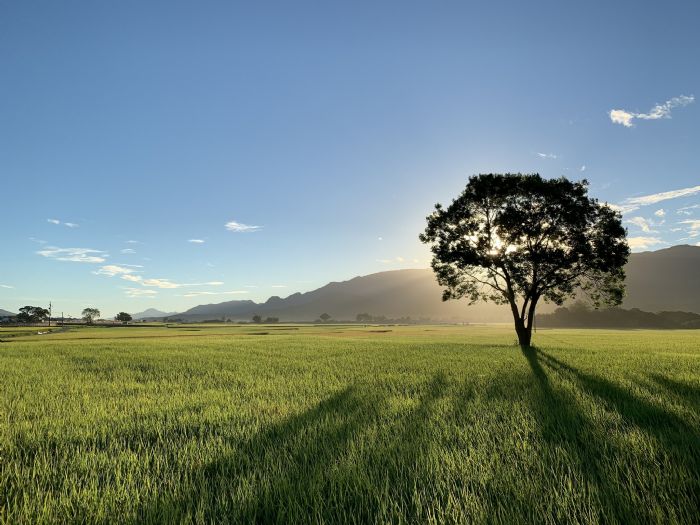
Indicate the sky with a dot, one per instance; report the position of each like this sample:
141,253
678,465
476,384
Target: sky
169,154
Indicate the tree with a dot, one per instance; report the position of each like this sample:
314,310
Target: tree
90,314
325,317
122,317
272,320
257,319
364,318
32,314
517,239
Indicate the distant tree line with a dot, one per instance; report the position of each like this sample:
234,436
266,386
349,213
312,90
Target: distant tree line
579,315
39,314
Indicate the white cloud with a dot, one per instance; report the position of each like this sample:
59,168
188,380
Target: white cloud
38,241
546,155
621,116
633,203
642,243
164,283
84,255
133,242
693,227
641,223
582,168
685,210
68,224
196,241
278,286
6,286
128,251
234,226
113,269
197,294
392,261
660,213
139,292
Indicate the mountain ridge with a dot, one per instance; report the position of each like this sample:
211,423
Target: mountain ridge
658,280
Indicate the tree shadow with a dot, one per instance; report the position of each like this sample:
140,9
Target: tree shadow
563,426
686,392
322,465
611,466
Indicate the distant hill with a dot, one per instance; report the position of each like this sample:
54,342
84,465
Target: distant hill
5,313
667,279
151,312
662,280
394,294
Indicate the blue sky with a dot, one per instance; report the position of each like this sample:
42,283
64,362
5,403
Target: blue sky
129,129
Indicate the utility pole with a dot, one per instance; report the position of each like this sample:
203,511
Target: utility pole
49,313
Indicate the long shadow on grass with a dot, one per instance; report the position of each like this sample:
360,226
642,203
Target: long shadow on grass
677,469
323,465
562,424
687,392
281,473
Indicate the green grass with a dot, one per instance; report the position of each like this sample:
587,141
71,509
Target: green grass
348,424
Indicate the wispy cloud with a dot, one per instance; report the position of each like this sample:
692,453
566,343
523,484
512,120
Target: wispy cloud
6,286
686,210
634,203
660,213
392,261
278,286
67,224
626,118
83,255
131,241
38,241
197,294
642,243
163,283
234,226
128,251
582,168
114,269
546,155
140,292
693,227
640,222
196,241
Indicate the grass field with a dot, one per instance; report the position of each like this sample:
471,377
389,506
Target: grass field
348,424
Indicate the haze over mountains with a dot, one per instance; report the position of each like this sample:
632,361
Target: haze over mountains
662,280
667,279
152,312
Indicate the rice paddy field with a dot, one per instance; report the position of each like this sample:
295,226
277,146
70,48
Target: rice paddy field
348,424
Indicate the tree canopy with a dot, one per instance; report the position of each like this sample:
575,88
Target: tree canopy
517,239
32,314
90,314
123,317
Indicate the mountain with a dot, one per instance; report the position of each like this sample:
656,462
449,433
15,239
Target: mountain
5,313
151,312
667,279
662,280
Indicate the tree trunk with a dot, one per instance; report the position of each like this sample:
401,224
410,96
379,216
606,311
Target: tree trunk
524,334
